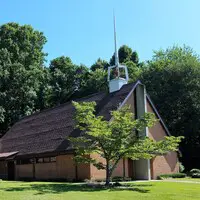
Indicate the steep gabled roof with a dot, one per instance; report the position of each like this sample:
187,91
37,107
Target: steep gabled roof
46,131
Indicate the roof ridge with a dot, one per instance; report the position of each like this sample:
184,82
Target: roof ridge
132,83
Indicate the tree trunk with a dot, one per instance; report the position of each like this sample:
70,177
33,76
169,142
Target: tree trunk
107,173
109,170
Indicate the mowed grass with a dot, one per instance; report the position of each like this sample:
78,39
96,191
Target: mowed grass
60,191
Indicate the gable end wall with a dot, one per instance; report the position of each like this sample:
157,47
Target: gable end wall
161,164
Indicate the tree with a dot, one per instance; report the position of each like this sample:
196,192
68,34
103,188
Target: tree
96,82
44,91
24,44
116,139
135,57
62,72
18,93
133,70
99,64
129,58
81,81
68,80
125,54
21,60
172,80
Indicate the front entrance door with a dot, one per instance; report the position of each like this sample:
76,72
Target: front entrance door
11,170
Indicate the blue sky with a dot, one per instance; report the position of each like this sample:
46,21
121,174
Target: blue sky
83,29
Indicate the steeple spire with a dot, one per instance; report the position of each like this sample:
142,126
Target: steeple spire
115,40
116,82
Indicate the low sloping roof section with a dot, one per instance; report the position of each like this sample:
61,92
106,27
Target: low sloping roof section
7,154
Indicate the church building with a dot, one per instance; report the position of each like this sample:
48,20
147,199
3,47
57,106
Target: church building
36,148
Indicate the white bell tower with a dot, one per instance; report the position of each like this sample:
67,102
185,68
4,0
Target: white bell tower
116,82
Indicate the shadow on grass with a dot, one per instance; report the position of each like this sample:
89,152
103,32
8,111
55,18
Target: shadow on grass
66,187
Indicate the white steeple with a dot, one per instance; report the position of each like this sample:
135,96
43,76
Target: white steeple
117,82
115,40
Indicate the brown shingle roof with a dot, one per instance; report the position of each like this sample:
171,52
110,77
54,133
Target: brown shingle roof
46,131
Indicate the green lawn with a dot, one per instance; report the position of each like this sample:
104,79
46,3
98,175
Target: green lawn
70,191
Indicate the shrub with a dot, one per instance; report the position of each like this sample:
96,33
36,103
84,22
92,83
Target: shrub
127,179
117,178
120,178
195,173
94,180
181,167
177,175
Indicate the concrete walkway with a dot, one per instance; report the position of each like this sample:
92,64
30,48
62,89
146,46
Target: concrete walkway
166,180
182,181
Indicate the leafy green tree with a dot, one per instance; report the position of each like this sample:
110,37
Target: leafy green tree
68,80
24,44
96,82
81,80
99,64
62,72
116,139
125,54
21,60
131,60
135,58
44,91
172,80
133,70
18,93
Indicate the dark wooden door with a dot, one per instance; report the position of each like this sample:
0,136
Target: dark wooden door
130,168
11,170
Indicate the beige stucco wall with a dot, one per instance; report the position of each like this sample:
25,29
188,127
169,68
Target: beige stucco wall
130,101
63,168
46,170
24,171
95,173
119,170
83,171
161,164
